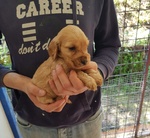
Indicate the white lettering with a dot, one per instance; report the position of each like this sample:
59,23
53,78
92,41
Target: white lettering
45,46
32,11
56,6
33,48
44,7
66,6
79,8
24,50
20,11
37,48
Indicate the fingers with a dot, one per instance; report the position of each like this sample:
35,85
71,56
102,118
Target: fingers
41,93
60,108
60,84
53,107
76,82
33,91
61,78
57,106
63,85
59,89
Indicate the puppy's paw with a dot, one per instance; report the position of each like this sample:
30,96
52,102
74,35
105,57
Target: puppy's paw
96,76
99,81
91,84
87,80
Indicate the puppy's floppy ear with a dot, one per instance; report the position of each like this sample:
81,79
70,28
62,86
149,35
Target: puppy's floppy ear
53,48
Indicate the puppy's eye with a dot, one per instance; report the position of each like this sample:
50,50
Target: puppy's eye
72,48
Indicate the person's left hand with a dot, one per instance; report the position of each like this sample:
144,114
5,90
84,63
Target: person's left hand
63,85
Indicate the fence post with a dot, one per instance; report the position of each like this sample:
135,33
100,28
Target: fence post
142,92
9,112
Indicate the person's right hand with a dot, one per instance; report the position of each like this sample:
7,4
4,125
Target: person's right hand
33,91
24,84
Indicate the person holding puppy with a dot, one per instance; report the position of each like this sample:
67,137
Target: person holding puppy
29,27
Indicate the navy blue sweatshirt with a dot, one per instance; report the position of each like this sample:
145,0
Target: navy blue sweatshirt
29,26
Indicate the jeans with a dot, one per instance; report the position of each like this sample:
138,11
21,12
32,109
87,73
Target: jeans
89,129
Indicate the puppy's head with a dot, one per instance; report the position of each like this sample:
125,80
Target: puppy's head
70,45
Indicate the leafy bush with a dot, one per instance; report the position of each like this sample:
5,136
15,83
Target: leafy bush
4,56
134,22
131,59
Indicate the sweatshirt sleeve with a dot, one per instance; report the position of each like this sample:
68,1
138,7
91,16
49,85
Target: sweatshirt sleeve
3,72
107,40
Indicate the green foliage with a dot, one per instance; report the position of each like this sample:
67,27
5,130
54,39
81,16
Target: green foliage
134,20
123,85
129,10
4,56
131,59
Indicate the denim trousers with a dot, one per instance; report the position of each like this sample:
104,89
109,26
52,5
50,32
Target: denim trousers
89,129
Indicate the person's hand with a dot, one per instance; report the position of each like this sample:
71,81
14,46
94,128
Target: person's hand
33,91
24,84
63,85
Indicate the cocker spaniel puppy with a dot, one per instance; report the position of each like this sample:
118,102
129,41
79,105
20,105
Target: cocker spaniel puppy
69,49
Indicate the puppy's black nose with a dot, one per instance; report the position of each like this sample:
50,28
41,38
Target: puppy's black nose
84,62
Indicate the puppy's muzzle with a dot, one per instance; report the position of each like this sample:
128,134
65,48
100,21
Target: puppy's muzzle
83,60
80,61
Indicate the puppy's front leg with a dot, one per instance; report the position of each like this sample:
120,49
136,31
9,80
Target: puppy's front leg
96,76
87,80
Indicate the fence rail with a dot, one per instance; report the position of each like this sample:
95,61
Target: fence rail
126,94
